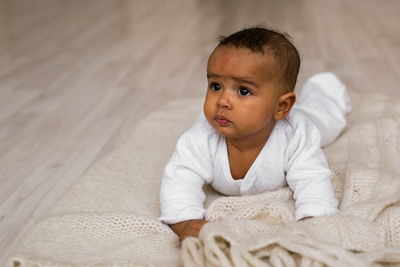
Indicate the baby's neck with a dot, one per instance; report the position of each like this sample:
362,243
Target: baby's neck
251,143
244,147
243,152
241,156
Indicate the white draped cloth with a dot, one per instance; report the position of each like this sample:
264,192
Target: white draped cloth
109,217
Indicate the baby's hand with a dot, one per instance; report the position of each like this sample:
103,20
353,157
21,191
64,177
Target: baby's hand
188,228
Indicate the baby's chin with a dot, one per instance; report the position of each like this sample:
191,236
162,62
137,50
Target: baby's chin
225,132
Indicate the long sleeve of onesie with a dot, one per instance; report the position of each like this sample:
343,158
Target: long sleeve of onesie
308,174
181,193
322,107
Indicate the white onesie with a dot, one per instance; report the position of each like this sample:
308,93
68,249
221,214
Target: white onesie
291,156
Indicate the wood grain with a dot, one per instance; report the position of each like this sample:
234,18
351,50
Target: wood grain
77,76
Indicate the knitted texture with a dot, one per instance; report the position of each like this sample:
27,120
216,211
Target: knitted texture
364,162
109,216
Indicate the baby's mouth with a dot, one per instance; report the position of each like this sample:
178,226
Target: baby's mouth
222,121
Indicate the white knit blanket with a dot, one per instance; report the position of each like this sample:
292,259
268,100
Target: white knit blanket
109,217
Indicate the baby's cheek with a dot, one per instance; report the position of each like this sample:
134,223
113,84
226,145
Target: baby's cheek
207,110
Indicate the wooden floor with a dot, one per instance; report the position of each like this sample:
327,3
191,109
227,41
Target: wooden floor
76,76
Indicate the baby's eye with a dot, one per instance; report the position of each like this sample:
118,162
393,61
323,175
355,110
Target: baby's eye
216,87
244,91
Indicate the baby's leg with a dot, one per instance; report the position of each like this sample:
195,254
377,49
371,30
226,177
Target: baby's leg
325,101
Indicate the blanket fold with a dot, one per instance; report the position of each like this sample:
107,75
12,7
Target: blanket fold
110,215
366,232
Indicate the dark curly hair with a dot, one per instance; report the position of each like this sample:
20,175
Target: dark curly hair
262,40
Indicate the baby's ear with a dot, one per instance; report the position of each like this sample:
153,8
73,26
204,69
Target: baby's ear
285,104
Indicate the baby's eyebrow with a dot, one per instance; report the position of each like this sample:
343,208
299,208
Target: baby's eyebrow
243,80
240,80
211,75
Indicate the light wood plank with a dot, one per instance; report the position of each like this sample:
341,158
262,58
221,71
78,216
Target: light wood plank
77,76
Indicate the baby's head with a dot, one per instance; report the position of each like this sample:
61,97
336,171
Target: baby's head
272,44
251,77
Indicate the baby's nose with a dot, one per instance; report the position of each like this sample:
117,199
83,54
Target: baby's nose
224,100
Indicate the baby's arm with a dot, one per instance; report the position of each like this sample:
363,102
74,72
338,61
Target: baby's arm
308,174
181,193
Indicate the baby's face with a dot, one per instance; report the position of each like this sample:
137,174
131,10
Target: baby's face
242,94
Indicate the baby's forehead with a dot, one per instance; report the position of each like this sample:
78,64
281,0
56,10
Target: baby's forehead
263,66
267,55
223,55
235,50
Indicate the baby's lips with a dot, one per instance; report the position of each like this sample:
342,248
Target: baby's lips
222,120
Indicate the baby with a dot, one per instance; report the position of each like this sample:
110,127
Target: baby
250,138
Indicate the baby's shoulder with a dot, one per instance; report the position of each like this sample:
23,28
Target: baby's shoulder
201,126
297,122
301,130
201,133
201,129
